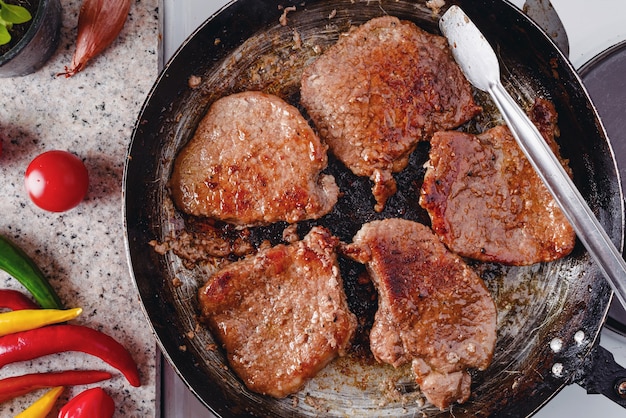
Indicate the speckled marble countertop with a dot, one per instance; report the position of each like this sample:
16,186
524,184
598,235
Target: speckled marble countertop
82,251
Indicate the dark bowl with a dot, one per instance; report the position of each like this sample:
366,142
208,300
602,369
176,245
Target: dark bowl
37,45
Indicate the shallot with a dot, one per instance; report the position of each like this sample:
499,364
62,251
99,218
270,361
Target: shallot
99,24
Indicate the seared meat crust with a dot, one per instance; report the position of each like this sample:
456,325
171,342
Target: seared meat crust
486,201
378,91
433,310
281,314
253,160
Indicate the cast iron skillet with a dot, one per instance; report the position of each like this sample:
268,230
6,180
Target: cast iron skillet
549,315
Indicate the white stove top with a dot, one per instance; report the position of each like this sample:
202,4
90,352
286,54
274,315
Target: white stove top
590,29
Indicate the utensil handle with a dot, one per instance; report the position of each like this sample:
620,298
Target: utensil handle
554,176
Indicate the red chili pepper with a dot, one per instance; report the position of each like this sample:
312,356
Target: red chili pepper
15,300
91,403
28,345
12,387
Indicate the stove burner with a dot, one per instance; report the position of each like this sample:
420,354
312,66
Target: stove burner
604,78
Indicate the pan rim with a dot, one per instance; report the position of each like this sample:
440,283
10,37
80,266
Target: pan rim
167,349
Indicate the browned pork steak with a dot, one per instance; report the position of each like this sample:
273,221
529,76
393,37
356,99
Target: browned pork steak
253,160
378,91
486,202
433,310
281,314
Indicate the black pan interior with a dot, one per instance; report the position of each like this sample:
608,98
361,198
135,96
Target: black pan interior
540,307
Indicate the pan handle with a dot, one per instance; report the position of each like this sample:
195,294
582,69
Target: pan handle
602,375
542,12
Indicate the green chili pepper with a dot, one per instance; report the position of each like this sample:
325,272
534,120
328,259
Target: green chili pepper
18,264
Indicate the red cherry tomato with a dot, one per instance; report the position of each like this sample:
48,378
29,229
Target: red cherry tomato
56,181
91,403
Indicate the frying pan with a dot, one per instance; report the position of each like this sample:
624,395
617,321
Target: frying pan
549,315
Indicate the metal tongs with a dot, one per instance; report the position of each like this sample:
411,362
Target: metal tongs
480,65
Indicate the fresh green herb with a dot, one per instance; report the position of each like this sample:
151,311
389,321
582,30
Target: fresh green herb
11,14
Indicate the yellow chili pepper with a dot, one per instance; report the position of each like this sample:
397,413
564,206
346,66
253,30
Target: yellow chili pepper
27,319
42,406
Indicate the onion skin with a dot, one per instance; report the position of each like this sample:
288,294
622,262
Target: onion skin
99,24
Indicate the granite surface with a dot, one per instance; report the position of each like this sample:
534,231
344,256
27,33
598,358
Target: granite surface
82,251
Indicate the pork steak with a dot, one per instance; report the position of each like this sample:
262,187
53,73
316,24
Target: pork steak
433,310
486,201
253,160
281,314
380,89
